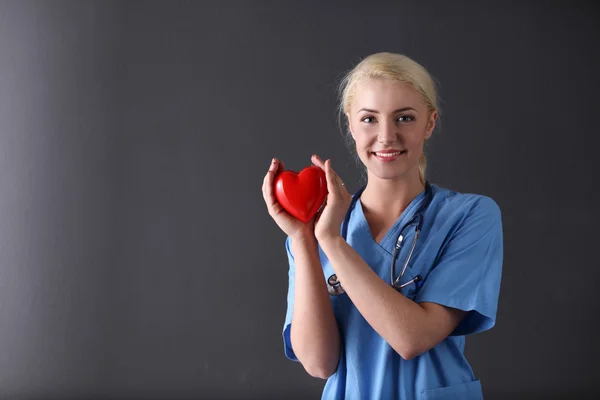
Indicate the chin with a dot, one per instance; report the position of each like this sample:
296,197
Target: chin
389,172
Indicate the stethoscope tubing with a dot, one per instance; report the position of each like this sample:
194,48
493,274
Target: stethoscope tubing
333,284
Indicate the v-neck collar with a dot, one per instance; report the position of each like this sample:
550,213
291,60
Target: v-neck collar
389,240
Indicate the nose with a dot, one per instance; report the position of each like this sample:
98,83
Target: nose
387,134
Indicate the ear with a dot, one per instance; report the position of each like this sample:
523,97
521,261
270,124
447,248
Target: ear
431,124
350,125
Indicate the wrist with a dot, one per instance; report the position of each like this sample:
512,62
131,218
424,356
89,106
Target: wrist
303,238
331,243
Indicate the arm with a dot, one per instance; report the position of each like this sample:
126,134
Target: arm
314,332
410,328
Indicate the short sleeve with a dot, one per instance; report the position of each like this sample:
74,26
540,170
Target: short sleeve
287,342
468,272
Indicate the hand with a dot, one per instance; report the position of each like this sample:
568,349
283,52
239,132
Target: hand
289,224
331,216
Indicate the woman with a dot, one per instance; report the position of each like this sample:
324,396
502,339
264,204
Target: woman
372,333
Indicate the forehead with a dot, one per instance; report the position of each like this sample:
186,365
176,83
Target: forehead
385,95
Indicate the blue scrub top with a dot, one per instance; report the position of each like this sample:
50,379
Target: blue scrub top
459,255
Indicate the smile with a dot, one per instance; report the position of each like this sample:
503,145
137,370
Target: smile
388,155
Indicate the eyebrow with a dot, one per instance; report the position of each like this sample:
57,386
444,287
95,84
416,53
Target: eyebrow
377,112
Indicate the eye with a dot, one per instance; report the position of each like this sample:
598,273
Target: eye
406,118
367,119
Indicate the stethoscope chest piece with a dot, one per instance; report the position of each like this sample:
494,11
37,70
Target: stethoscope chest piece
334,286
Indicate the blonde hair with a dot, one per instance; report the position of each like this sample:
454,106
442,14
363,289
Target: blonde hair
396,67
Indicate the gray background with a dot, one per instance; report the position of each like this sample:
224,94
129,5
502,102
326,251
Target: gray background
137,259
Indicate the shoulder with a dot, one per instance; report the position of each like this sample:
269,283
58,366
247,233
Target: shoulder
465,208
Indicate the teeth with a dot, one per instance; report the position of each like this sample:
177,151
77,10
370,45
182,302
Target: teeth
388,154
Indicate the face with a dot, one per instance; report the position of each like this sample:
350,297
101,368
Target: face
389,123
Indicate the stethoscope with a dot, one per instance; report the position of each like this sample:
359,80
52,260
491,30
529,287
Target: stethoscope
333,284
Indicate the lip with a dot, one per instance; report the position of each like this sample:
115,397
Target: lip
388,155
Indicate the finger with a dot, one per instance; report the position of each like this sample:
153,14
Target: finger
268,183
274,165
265,185
269,175
273,206
316,160
320,212
332,182
279,167
336,177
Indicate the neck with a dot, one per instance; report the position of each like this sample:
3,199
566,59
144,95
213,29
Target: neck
389,198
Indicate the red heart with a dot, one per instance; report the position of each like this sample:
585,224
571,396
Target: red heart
301,194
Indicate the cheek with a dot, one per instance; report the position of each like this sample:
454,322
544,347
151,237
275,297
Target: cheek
364,137
361,144
414,140
415,137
